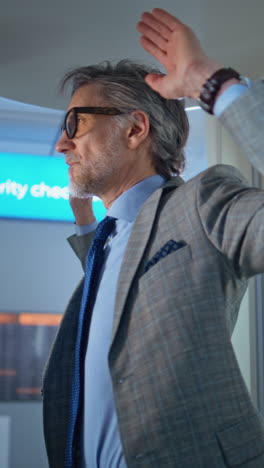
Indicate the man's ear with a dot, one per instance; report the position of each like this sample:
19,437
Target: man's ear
138,129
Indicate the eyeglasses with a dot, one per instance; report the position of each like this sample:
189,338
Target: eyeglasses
70,124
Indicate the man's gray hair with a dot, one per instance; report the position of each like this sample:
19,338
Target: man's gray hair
122,85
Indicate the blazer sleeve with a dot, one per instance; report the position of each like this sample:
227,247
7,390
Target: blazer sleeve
244,119
232,216
81,245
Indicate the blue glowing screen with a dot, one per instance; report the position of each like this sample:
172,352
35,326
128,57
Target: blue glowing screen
36,187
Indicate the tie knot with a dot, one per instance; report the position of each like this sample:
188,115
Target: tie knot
104,228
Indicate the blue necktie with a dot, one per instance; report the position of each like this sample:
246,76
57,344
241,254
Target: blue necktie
93,266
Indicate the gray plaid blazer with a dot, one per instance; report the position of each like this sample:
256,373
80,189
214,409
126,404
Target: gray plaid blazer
180,398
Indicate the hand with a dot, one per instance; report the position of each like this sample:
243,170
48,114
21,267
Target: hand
177,48
82,210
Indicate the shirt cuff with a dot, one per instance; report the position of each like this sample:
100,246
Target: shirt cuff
81,230
227,97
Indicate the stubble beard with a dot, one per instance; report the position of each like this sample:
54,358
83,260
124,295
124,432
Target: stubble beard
94,177
91,179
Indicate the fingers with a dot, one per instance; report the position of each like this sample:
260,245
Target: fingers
168,20
149,20
152,49
152,35
157,28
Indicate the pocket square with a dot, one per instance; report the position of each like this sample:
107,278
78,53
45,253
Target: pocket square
167,248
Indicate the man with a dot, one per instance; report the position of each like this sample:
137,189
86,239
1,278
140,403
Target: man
160,385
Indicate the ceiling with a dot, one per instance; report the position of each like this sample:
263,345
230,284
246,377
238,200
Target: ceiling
40,40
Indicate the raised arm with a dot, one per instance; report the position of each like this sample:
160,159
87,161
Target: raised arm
188,67
178,49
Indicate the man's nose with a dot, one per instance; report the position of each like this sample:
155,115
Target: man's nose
64,144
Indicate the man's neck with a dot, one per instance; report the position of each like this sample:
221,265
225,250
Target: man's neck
112,194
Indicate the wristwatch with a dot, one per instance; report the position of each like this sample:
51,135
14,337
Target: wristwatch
212,86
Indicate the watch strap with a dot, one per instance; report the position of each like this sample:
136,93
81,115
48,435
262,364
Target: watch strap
212,86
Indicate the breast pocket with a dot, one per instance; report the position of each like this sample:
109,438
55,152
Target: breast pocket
167,269
168,248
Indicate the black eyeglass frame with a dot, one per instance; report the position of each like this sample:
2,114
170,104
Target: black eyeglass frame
87,110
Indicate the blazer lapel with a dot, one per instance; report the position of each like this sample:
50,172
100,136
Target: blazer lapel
136,247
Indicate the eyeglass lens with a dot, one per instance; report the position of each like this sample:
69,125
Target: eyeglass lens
70,124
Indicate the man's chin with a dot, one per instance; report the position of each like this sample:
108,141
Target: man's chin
79,192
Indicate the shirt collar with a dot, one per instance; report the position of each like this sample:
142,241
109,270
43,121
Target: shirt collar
128,205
